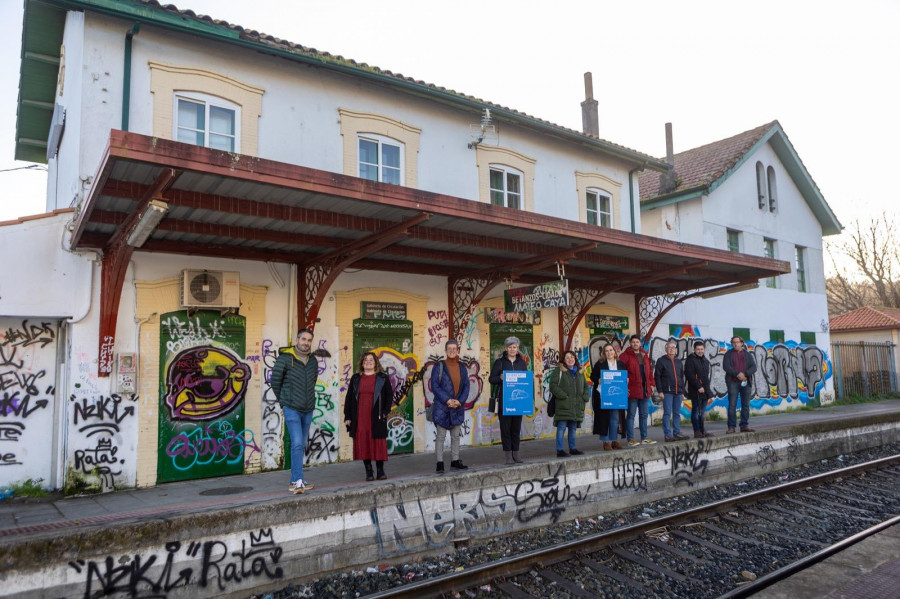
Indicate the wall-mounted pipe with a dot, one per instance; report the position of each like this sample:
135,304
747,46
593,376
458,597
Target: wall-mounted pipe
126,77
631,192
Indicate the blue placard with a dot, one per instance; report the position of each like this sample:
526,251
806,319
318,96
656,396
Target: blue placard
518,393
614,389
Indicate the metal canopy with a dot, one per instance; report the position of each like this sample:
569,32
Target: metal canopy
229,205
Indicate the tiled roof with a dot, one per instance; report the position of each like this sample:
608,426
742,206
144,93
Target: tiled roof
326,58
867,317
704,165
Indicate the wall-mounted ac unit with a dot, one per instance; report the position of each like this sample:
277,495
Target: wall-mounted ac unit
211,289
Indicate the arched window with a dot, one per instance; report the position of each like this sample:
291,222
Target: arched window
761,185
506,186
773,194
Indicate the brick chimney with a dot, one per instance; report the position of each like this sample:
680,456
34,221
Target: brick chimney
590,118
668,181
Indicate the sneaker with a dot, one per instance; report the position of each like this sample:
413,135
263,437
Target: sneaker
561,454
648,441
291,487
301,487
670,439
680,437
633,442
576,452
747,429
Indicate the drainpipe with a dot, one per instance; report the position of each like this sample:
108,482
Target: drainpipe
631,192
126,78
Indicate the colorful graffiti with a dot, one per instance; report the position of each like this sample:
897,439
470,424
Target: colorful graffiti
204,383
476,384
403,371
216,443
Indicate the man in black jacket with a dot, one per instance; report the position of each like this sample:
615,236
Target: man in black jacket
697,370
739,366
669,376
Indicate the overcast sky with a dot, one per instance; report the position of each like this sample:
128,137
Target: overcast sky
827,70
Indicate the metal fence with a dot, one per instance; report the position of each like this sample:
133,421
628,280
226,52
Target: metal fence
864,369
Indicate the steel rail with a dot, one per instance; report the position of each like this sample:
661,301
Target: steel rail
519,564
803,563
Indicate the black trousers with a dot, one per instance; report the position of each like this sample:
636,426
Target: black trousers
510,432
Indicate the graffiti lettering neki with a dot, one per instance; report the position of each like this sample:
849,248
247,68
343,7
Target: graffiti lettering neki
204,383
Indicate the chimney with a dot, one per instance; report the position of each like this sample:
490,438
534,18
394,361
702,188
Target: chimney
668,181
590,119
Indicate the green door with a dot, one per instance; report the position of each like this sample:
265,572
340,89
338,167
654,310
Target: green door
391,341
203,381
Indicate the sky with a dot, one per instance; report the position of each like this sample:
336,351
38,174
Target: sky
826,70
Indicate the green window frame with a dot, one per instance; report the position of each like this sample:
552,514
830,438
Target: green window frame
776,335
808,337
740,332
769,252
734,240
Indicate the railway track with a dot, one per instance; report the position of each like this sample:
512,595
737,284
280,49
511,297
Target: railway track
729,548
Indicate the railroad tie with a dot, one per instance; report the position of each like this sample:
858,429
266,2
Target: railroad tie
637,559
740,538
857,500
694,539
869,487
774,533
514,591
676,551
610,573
565,583
846,508
764,516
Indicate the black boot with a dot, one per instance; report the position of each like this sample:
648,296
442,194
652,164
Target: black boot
379,466
440,467
458,465
369,474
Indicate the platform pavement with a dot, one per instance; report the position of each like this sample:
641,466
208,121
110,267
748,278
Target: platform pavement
18,517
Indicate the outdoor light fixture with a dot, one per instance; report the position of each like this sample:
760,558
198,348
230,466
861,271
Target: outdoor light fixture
156,210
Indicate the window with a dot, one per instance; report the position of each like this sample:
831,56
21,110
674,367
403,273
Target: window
734,240
740,332
599,208
770,178
769,251
800,265
380,159
207,121
506,187
776,336
761,185
808,337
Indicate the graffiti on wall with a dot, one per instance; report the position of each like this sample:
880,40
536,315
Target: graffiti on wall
215,443
99,447
272,416
403,371
27,390
215,565
204,383
322,443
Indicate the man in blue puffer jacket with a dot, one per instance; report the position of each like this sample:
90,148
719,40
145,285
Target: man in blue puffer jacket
450,386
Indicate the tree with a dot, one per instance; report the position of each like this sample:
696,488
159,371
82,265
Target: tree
873,248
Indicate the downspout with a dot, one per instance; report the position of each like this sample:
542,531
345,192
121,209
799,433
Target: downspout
631,191
126,78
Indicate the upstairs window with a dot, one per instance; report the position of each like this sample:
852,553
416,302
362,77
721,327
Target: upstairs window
769,252
734,240
773,194
207,121
800,266
761,192
506,187
380,159
599,208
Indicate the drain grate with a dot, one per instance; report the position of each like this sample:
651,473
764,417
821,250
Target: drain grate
226,491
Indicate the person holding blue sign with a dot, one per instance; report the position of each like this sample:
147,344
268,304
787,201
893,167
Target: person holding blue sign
669,375
510,426
570,392
606,421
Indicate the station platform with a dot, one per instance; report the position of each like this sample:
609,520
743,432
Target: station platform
246,533
21,518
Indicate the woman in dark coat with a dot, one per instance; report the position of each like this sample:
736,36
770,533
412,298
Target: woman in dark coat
510,426
606,422
450,386
366,409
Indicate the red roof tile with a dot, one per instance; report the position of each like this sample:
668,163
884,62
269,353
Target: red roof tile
867,317
704,165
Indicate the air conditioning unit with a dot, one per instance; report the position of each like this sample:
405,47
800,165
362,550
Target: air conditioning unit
210,289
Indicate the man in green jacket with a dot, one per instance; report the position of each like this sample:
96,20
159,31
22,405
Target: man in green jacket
294,382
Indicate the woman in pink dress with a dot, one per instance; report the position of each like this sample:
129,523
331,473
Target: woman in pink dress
366,409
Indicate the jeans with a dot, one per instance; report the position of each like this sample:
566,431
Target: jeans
298,424
698,412
510,432
561,427
612,434
642,407
440,434
745,393
672,409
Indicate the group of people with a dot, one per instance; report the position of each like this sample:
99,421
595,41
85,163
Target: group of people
369,399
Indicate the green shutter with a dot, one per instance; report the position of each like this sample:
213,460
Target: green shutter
740,332
808,337
776,336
